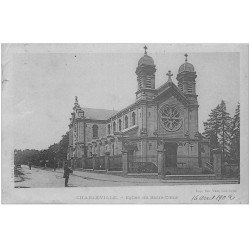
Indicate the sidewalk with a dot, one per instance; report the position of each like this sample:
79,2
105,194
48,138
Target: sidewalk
102,176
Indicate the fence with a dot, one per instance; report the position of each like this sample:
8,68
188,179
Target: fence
88,163
137,164
115,163
182,165
99,163
78,163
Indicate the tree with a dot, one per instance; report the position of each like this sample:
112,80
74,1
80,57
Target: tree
224,130
235,136
217,129
63,148
211,127
25,156
53,154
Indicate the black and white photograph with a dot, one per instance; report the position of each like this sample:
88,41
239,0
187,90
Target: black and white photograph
124,125
131,116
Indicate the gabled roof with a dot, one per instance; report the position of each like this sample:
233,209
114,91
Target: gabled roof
171,87
98,114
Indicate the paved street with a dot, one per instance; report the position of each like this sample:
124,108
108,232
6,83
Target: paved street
39,177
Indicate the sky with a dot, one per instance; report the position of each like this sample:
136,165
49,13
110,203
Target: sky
45,83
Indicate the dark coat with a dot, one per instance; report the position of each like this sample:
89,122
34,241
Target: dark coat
67,171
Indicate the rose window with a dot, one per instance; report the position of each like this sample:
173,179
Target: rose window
170,118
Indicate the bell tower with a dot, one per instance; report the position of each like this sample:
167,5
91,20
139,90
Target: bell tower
186,80
145,72
186,83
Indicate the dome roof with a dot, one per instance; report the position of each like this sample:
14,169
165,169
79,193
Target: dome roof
186,67
146,60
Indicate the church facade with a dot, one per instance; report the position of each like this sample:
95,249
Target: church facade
158,133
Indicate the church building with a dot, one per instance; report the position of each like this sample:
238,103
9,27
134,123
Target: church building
158,133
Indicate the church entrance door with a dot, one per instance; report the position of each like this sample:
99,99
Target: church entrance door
170,149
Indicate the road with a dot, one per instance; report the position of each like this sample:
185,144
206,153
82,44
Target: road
40,177
37,177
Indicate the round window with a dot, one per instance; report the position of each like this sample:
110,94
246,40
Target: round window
170,118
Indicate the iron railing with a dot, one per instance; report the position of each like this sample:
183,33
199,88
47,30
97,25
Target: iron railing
138,164
115,163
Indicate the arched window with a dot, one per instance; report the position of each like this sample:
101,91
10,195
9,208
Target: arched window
133,118
109,129
114,127
148,82
95,131
120,125
190,88
126,121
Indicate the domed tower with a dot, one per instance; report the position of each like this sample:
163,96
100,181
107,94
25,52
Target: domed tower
186,80
145,75
186,83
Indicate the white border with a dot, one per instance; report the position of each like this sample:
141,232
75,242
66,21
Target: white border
175,227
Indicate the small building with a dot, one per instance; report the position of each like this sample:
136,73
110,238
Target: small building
157,133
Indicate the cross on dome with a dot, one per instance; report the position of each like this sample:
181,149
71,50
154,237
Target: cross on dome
169,74
186,66
76,102
145,47
76,99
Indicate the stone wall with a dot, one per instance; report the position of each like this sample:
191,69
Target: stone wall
89,130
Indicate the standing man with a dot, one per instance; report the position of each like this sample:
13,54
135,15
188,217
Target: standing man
67,171
29,165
